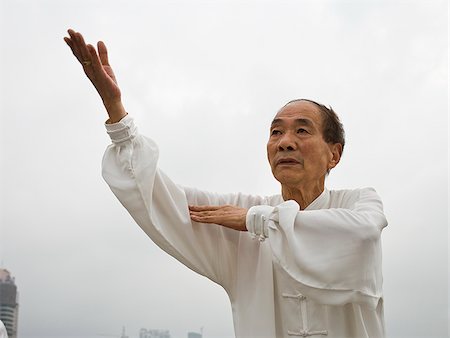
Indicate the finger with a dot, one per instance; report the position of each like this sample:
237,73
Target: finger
71,33
73,47
83,48
205,213
96,64
205,219
74,44
93,55
103,53
204,207
69,43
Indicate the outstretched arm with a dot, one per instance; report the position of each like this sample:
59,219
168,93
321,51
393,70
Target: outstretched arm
96,67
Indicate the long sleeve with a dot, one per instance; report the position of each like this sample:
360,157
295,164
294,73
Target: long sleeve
160,207
334,253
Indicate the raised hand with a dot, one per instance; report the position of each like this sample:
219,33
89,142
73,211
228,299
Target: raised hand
97,69
226,215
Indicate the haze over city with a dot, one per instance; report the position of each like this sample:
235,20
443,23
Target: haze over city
204,79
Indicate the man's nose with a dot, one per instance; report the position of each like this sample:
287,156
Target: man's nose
287,142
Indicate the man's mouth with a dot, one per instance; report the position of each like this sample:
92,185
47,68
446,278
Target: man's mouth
288,161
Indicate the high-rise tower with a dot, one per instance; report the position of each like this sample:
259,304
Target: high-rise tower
9,307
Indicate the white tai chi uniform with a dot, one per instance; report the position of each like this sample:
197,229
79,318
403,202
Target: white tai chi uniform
295,273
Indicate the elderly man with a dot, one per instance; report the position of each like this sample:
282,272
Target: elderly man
305,263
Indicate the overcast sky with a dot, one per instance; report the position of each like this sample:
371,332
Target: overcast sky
204,79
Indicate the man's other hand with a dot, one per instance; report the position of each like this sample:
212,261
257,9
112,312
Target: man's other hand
226,215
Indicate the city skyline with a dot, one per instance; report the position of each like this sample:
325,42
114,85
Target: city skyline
9,303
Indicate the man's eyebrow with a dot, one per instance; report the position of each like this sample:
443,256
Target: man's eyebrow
304,122
275,122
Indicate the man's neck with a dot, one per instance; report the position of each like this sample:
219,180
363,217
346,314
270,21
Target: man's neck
304,196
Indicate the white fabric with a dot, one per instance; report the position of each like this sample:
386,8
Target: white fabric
256,221
318,272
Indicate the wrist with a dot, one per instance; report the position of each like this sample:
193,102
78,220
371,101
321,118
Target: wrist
115,111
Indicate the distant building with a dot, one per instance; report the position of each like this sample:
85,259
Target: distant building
144,333
9,307
194,335
123,333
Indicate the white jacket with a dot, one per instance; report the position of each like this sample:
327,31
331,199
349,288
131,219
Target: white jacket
318,272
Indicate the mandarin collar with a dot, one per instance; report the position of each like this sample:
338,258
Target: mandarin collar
321,201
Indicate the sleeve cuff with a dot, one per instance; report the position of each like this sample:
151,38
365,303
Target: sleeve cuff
121,131
256,221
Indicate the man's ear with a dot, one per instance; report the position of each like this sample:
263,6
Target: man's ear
336,152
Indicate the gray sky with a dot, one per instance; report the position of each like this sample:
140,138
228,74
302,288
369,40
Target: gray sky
204,79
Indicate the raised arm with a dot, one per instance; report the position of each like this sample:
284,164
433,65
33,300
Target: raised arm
159,206
96,66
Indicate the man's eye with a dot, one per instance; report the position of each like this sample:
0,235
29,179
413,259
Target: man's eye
302,131
275,132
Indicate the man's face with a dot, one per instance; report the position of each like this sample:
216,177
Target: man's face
297,152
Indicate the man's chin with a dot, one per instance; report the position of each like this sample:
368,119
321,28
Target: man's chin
288,179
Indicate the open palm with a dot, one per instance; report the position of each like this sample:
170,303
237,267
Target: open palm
96,67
